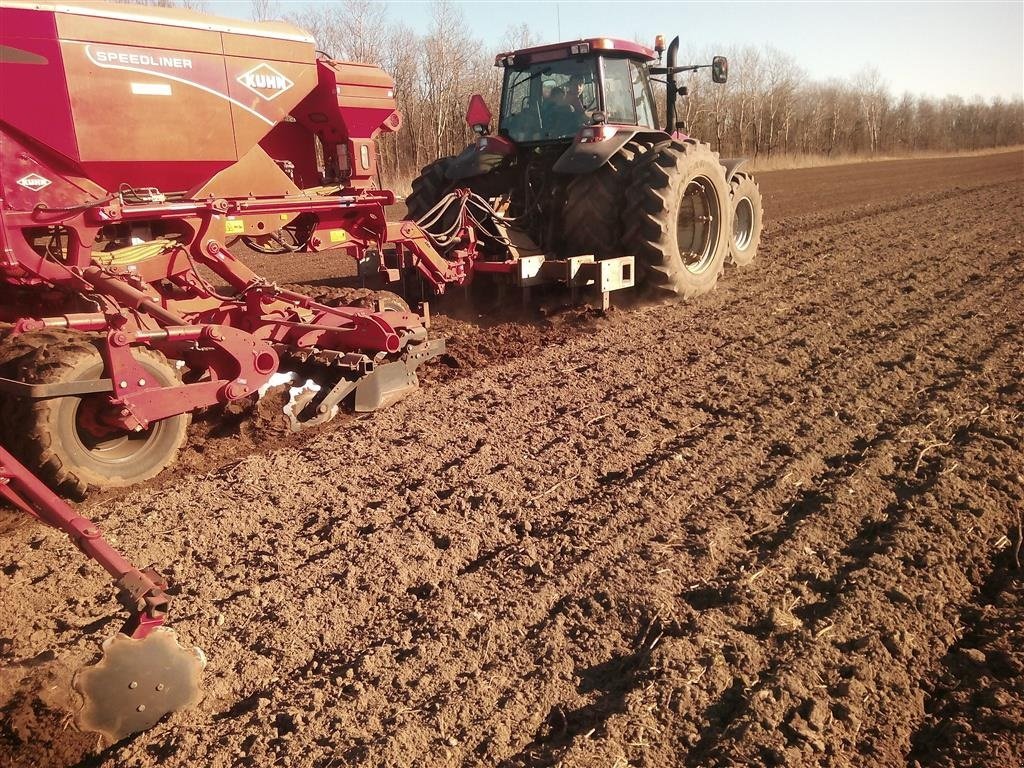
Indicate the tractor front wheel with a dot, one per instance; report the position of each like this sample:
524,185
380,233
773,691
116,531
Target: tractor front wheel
746,219
66,441
678,217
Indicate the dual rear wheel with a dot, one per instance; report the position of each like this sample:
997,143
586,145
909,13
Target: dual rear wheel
745,197
669,204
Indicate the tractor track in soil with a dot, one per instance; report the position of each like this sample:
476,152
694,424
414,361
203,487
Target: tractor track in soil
774,526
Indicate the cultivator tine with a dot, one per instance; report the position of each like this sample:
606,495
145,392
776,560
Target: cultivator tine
304,410
311,403
137,682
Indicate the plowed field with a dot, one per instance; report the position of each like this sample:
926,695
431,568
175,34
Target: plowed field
779,525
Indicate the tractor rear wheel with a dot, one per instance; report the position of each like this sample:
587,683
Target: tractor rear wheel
64,441
428,188
678,217
745,236
591,219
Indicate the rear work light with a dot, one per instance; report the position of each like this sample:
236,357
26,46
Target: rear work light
595,133
580,48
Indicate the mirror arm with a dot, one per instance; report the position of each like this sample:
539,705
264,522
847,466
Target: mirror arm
676,70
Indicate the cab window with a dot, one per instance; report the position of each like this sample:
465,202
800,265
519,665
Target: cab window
618,92
548,101
642,96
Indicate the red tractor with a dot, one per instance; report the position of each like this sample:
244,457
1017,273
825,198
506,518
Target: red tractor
579,166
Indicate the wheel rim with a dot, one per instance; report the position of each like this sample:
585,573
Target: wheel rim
743,224
698,225
109,446
115,447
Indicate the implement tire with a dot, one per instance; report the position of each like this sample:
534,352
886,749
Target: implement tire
592,217
678,218
52,437
745,234
428,188
381,301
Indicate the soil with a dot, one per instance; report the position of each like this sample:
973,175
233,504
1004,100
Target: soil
780,525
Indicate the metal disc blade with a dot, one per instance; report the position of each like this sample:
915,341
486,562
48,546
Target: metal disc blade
137,682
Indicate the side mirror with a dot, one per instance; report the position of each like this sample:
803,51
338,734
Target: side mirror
719,69
478,115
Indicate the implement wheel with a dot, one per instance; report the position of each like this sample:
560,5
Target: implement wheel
678,217
381,301
65,441
746,219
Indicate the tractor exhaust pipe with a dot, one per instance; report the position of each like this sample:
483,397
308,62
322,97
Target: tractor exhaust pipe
671,90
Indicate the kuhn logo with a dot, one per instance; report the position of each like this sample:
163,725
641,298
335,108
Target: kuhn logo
265,81
34,181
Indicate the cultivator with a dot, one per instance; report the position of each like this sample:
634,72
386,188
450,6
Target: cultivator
139,145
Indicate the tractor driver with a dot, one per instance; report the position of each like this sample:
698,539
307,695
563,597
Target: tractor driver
574,93
557,115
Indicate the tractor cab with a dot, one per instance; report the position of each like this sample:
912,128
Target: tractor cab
550,92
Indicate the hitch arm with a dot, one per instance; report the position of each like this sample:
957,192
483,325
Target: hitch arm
144,591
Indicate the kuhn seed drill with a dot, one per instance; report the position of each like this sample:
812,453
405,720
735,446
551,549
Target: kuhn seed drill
135,143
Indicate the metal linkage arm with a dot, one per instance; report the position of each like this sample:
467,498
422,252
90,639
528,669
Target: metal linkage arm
144,590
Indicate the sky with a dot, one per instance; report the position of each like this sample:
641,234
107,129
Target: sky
927,48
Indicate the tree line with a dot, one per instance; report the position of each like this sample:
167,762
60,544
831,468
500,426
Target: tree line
769,108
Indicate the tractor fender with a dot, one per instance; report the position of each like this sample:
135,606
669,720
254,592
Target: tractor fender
732,164
482,156
581,158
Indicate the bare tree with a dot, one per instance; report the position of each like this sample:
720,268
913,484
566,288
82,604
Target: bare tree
519,36
874,102
264,10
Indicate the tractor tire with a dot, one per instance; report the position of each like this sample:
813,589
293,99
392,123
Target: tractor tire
591,219
366,298
678,218
51,437
745,234
428,188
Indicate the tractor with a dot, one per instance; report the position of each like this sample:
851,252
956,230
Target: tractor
579,166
